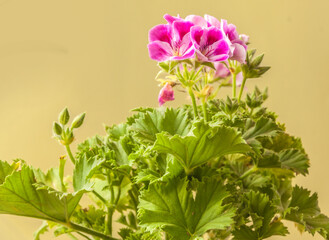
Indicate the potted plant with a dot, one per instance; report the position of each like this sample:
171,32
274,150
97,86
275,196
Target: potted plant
214,169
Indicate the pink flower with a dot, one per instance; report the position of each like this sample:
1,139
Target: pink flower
221,70
238,47
209,44
171,41
166,94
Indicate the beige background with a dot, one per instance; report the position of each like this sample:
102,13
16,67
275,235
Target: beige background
91,56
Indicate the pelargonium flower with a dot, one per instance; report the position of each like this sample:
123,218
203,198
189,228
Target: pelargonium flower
166,94
171,41
238,43
209,44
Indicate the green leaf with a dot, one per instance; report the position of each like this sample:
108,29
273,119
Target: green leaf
116,131
245,233
172,121
202,144
20,196
84,169
264,127
173,208
295,160
304,210
5,170
262,213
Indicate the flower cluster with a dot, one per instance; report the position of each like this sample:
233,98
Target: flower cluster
199,39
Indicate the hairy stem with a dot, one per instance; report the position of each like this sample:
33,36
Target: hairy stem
234,85
242,87
68,150
89,231
204,108
195,109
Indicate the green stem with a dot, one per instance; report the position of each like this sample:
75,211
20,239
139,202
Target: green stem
110,211
89,231
195,109
248,172
204,108
100,197
68,149
242,87
234,85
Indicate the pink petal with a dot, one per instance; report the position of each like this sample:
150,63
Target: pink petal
244,38
161,33
220,51
197,20
166,94
212,21
196,36
213,35
221,70
239,53
170,19
180,29
159,51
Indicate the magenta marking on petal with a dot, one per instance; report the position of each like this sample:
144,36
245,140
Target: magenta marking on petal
213,35
160,32
196,34
159,51
180,29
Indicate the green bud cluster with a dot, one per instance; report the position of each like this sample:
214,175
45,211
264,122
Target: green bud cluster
63,132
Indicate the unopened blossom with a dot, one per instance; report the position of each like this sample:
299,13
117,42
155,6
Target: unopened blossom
171,41
166,94
209,44
221,70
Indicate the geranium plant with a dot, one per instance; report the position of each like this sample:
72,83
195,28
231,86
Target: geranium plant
215,169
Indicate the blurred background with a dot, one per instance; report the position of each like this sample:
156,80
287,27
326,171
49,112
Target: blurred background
91,56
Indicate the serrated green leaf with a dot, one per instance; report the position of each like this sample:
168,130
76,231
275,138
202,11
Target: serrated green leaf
5,170
84,169
172,207
202,144
20,196
295,160
172,121
304,210
262,213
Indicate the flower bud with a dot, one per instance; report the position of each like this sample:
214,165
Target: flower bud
78,120
166,94
64,116
57,129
